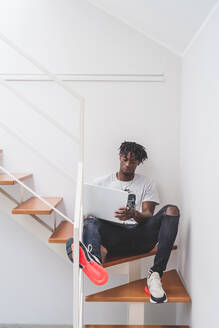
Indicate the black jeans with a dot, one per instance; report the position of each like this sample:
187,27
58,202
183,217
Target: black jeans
132,240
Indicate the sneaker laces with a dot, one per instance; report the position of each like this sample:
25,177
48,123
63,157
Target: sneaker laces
149,273
155,278
155,285
90,248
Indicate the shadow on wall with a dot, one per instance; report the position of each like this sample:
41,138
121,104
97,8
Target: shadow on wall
185,268
185,250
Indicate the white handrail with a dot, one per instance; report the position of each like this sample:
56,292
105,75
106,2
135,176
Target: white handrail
77,236
88,77
38,110
35,194
81,298
82,116
30,145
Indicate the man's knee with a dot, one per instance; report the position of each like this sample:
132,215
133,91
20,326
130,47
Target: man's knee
172,210
91,221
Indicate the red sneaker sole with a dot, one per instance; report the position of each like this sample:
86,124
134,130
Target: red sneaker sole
147,290
94,271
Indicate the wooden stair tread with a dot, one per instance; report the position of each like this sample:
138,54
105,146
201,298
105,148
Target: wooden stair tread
134,291
122,259
62,233
35,206
5,179
134,326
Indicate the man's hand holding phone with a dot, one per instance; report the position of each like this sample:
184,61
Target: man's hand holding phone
125,213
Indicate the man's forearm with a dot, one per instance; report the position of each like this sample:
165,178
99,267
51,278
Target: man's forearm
141,216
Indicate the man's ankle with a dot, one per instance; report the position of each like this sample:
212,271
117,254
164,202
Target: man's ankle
156,270
103,252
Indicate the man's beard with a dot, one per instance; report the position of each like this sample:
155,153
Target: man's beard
127,174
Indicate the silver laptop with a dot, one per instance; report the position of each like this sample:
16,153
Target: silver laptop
102,202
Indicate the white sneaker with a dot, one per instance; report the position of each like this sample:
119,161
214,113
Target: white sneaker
154,288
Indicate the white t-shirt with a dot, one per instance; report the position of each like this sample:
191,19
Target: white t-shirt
140,189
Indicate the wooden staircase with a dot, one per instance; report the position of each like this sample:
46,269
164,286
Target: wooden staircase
132,292
62,233
35,206
6,180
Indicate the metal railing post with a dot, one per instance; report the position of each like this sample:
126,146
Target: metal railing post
77,232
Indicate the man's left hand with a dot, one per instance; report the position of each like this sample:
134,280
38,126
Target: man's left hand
125,213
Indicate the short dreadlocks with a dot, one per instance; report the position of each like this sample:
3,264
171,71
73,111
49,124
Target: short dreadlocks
133,148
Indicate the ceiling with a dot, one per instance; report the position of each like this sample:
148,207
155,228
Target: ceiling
171,23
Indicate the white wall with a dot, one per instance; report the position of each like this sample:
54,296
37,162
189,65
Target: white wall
199,162
35,283
74,37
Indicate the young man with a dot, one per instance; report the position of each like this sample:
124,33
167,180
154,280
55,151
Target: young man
140,230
